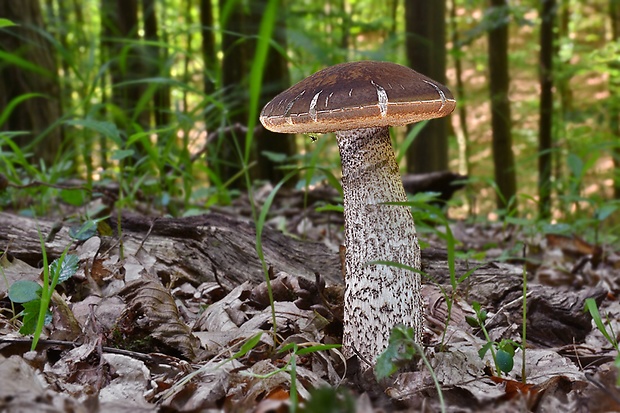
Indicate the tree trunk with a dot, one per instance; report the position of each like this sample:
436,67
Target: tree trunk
545,138
226,154
35,115
614,89
426,52
241,26
462,135
129,60
158,57
564,91
503,158
275,80
209,53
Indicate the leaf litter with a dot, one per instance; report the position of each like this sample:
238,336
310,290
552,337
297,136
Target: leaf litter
127,337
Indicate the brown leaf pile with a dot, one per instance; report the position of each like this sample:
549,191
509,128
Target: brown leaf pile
126,337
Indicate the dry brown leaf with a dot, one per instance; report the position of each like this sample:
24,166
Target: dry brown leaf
23,389
227,314
152,312
205,391
129,384
13,269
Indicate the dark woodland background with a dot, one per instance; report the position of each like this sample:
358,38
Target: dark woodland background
161,98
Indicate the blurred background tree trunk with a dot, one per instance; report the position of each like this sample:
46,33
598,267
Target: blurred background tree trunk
614,98
225,156
501,124
157,60
128,64
209,51
241,23
545,128
426,52
35,115
275,79
563,86
459,90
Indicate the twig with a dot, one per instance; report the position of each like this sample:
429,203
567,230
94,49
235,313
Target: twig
72,344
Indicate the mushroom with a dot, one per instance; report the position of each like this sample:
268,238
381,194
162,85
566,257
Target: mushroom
359,101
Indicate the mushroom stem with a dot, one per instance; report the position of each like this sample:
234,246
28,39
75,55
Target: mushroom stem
377,297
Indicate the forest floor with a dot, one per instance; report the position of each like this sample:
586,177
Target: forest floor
161,322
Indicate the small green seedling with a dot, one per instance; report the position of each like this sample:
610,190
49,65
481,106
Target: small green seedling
290,367
247,345
36,298
610,335
329,400
401,350
502,352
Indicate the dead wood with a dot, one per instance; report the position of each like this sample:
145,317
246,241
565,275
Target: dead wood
222,248
210,247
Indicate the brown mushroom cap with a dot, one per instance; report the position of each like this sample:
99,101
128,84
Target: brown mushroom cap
357,95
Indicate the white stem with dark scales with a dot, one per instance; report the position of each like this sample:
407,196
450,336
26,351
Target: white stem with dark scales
377,297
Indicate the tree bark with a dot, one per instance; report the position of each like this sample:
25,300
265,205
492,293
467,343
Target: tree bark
460,92
120,40
426,52
614,89
545,138
503,157
209,53
242,24
207,248
222,248
35,115
275,79
158,57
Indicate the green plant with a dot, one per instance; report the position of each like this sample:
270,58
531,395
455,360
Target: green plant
401,350
6,23
295,350
524,319
329,400
260,224
502,352
247,345
36,298
427,217
606,330
25,181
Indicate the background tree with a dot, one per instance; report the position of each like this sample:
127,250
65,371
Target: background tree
32,71
501,124
545,137
275,79
227,153
157,59
426,53
104,52
614,89
459,91
209,51
129,63
242,22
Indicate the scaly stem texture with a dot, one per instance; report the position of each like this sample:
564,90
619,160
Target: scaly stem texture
377,297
